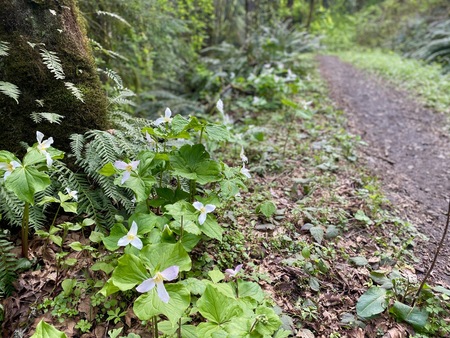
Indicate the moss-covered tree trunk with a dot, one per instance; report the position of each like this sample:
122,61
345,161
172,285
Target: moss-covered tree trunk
30,27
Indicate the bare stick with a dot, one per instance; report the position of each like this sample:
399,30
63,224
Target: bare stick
435,255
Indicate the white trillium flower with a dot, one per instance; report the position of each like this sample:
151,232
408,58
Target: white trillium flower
72,193
219,106
164,119
229,273
204,209
245,171
168,274
9,168
128,167
43,145
131,238
242,155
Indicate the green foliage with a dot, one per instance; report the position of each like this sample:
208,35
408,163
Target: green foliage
8,266
44,330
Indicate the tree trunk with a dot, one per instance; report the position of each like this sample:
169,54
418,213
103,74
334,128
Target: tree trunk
29,26
310,14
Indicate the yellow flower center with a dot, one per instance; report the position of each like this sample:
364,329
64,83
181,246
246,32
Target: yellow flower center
158,277
203,210
130,237
129,167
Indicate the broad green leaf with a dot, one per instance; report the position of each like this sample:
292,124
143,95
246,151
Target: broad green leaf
317,233
108,170
179,124
267,208
240,328
44,330
314,284
217,132
163,255
141,186
129,272
216,275
271,321
189,241
108,289
251,290
209,330
182,209
26,181
216,307
361,216
149,305
194,163
372,302
70,206
194,285
359,260
211,228
117,232
412,315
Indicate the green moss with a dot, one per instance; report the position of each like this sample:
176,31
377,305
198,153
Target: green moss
62,33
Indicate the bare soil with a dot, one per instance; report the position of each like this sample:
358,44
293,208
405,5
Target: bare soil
408,149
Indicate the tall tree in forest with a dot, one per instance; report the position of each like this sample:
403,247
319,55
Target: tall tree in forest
47,56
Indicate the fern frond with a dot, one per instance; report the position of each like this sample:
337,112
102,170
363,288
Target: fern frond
50,117
121,98
115,16
8,266
10,90
53,63
74,90
4,47
113,76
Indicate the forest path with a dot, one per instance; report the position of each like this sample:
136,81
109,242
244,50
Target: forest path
408,149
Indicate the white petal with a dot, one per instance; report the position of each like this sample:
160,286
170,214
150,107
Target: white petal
219,106
47,143
238,268
49,159
126,176
39,136
7,173
146,285
210,208
124,241
4,166
134,229
120,165
15,164
137,243
197,205
202,218
158,121
171,273
134,164
162,292
230,272
167,113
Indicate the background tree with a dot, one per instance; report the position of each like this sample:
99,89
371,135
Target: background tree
48,57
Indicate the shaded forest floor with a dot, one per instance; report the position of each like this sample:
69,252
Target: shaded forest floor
332,227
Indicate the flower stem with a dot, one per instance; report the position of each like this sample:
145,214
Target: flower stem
25,224
155,326
201,135
436,254
181,227
54,218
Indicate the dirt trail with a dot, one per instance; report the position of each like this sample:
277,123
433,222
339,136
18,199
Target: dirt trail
409,150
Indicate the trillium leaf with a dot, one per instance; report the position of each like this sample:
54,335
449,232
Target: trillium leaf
26,181
129,272
251,290
372,302
271,324
141,186
117,232
149,305
317,233
216,307
163,255
211,228
209,329
108,170
44,330
217,132
194,163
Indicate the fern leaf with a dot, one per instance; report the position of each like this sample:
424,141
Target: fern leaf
113,76
53,63
74,90
121,98
50,117
114,16
10,90
4,48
